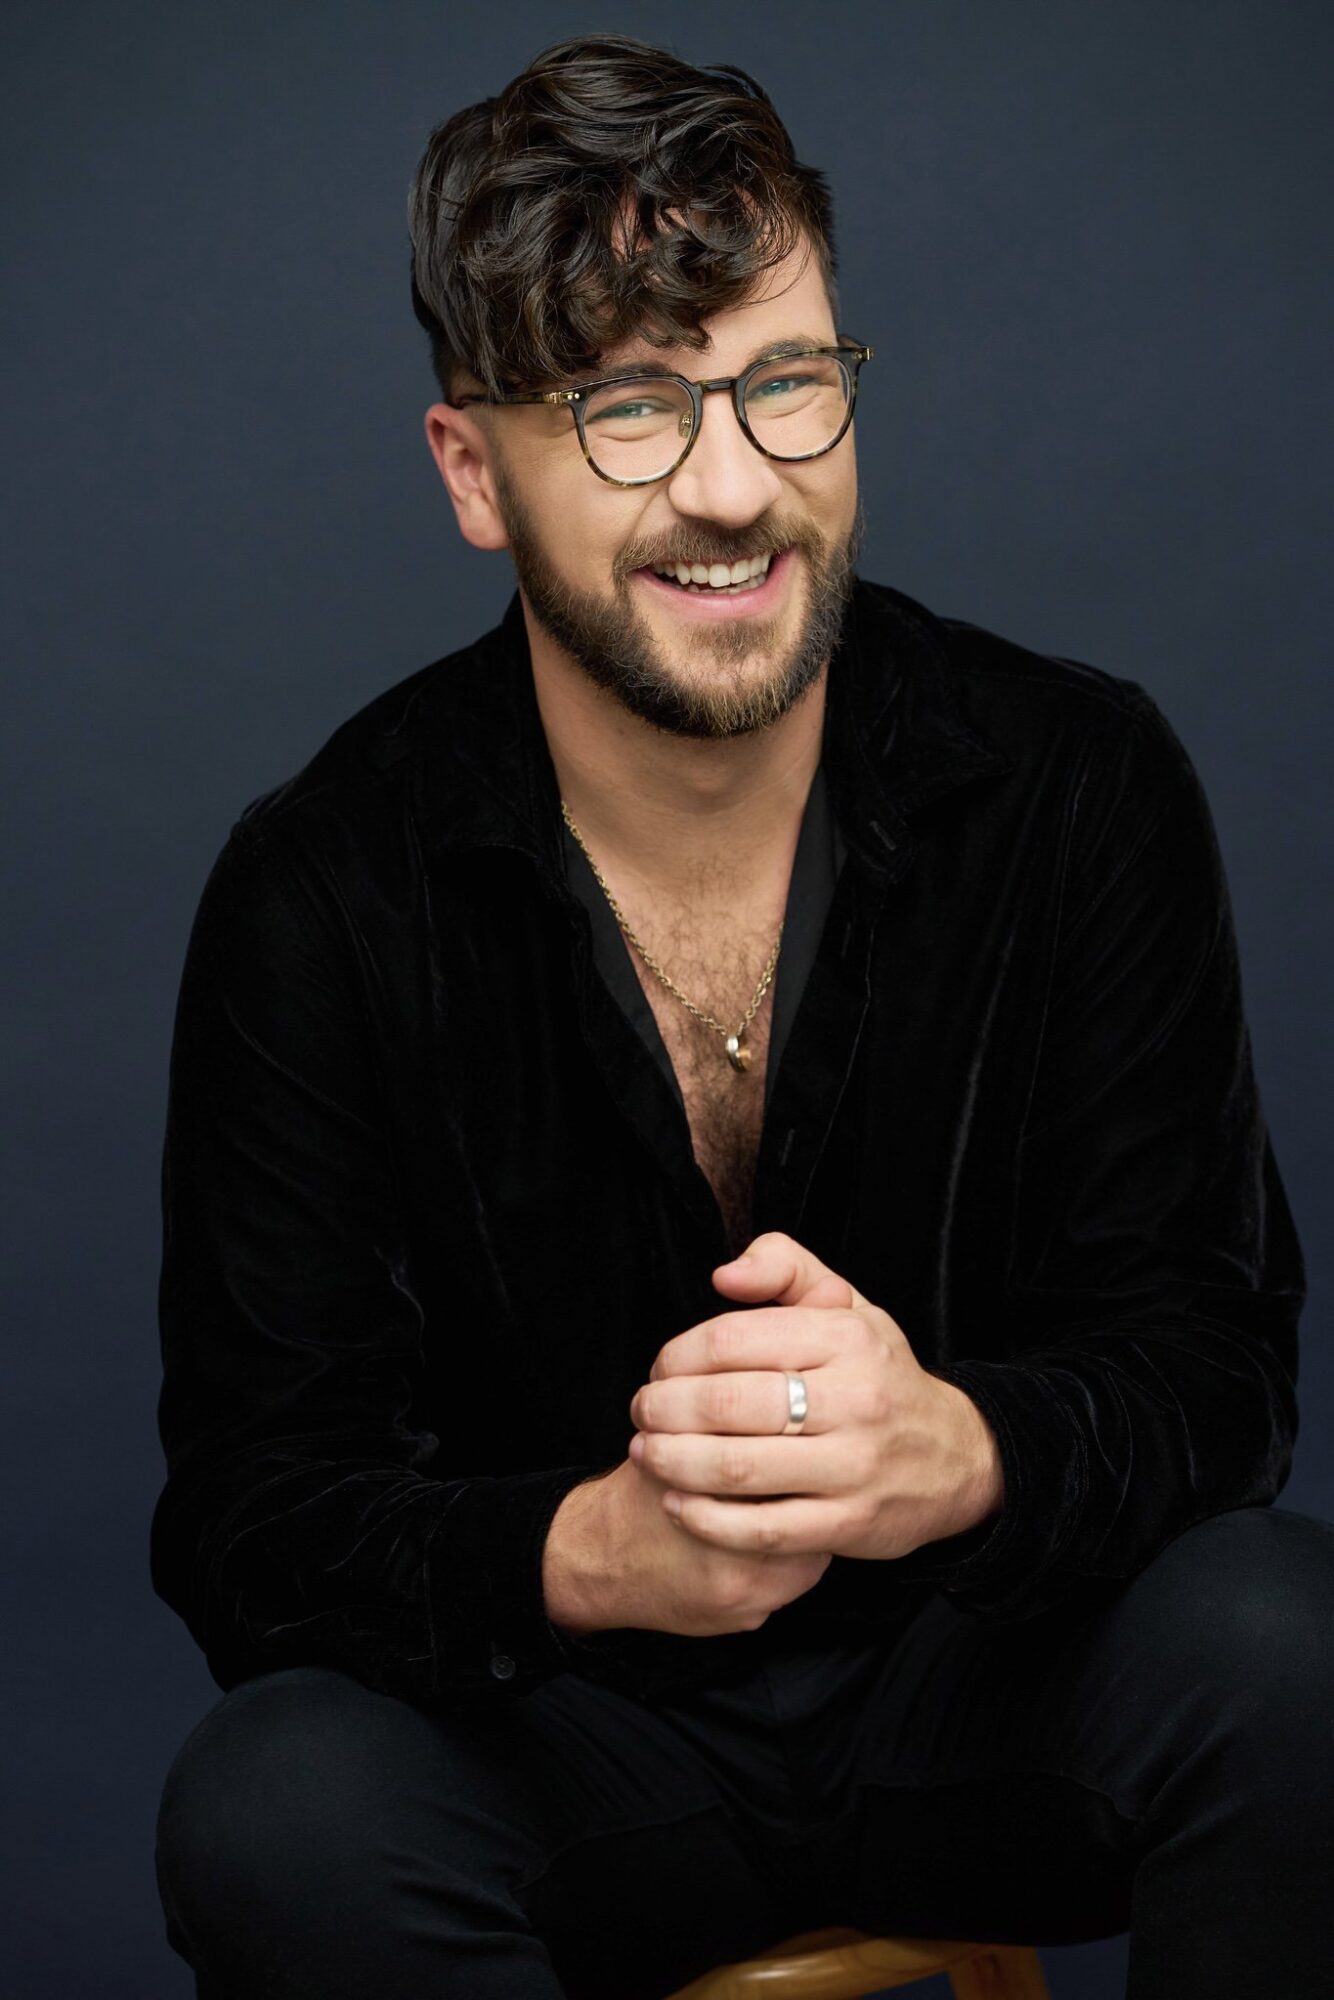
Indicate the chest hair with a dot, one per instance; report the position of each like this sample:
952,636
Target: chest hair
718,966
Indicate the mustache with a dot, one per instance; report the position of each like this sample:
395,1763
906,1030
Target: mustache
739,551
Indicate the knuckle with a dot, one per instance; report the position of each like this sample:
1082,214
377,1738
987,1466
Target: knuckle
726,1340
722,1401
879,1403
652,1457
862,1469
731,1592
770,1538
735,1465
856,1331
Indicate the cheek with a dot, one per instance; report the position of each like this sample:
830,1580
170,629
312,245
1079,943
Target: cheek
827,492
584,520
579,539
834,509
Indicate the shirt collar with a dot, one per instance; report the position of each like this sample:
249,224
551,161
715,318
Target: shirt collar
894,739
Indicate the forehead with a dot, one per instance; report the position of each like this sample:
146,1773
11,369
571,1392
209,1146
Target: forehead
788,303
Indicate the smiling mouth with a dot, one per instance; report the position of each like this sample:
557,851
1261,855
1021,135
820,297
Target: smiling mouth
715,579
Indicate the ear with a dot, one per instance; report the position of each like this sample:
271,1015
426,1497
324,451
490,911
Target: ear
461,450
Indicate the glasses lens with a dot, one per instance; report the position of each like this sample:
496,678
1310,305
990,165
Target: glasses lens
638,430
796,407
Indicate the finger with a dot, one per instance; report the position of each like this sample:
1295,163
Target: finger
737,1403
745,1468
777,1267
762,1527
746,1282
794,1337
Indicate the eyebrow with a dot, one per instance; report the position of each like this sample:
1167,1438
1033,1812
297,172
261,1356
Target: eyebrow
772,350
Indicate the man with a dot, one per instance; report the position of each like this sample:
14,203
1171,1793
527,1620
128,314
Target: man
593,1605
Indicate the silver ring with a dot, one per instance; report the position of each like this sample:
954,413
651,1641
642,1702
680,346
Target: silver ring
796,1403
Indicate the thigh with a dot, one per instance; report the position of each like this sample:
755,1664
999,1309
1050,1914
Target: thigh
1007,1780
317,1836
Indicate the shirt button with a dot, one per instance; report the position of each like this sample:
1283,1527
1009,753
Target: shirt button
503,1667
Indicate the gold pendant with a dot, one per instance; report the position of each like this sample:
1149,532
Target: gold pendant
737,1054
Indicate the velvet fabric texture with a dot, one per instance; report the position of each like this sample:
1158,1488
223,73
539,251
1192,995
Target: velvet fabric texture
430,1205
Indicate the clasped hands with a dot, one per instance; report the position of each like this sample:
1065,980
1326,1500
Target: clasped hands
889,1457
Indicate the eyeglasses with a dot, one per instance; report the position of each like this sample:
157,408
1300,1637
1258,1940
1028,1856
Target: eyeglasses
635,429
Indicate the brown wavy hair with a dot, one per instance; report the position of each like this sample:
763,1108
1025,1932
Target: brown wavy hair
610,189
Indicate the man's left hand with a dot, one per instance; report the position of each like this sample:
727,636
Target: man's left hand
889,1457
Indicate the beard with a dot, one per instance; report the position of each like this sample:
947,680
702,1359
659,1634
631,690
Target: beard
620,653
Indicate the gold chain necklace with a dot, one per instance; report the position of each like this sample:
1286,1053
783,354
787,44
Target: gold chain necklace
738,1054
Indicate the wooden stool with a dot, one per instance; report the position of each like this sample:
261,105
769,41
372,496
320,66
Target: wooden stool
846,1965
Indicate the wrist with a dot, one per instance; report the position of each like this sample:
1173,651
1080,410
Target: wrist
982,1486
990,1474
575,1560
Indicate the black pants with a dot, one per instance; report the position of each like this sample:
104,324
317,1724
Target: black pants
1162,1764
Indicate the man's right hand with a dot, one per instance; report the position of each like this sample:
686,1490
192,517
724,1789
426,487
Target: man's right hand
613,1558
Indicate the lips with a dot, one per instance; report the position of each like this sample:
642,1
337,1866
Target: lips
672,563
704,603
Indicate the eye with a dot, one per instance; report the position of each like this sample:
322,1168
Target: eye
783,384
628,411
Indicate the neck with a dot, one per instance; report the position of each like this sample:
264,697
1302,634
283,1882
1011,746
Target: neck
677,813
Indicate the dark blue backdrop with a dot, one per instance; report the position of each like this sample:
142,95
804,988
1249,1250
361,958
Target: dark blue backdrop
1088,244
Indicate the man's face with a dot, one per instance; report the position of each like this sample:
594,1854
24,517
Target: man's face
585,552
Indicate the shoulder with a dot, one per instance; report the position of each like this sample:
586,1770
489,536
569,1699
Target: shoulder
981,662
355,793
1034,706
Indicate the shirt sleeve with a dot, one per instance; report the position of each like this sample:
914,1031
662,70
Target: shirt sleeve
1156,1277
299,1523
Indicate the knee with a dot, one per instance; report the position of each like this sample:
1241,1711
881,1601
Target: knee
1242,1606
281,1781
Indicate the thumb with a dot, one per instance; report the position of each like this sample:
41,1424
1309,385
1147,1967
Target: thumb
778,1269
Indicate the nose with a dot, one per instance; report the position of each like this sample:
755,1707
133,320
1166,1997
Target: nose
723,478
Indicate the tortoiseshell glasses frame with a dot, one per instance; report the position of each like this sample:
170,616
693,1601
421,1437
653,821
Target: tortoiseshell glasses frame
849,354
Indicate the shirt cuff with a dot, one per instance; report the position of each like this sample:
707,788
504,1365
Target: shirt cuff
1003,1566
494,1640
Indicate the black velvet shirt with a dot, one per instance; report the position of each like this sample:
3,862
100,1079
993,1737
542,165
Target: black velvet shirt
430,1204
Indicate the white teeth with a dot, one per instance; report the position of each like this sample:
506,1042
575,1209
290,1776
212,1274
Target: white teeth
718,576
